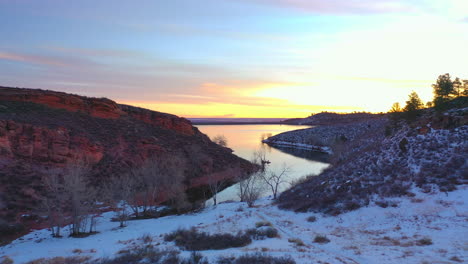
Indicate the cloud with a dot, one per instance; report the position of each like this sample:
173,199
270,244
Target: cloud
31,59
464,20
345,6
55,61
97,52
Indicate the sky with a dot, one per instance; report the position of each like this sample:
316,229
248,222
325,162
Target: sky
235,58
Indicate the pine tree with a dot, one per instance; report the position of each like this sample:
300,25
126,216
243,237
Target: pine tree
414,103
443,89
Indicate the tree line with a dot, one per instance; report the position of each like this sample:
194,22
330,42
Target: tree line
444,90
71,198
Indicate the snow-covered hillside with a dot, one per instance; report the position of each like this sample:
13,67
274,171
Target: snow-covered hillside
427,228
385,159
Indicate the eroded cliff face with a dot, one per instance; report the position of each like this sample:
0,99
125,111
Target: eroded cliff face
43,132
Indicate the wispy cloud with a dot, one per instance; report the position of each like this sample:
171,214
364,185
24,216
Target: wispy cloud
49,60
97,52
31,59
345,6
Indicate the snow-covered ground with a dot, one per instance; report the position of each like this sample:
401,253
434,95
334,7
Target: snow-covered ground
368,235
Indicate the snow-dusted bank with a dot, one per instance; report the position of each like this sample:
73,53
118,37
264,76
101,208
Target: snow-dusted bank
280,143
426,228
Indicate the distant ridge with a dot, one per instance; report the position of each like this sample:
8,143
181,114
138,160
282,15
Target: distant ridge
236,121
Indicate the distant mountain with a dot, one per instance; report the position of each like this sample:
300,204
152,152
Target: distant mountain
43,132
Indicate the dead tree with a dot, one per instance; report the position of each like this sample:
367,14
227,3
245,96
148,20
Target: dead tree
274,179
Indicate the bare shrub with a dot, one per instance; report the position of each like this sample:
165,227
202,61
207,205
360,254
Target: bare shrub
262,223
61,260
191,239
220,140
195,258
149,254
257,258
424,241
321,239
311,218
262,232
296,241
6,260
251,188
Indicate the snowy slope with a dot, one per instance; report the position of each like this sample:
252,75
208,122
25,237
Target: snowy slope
368,235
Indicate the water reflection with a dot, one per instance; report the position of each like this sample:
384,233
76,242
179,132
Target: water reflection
245,139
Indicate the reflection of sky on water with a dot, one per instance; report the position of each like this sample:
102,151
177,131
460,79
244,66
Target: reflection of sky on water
245,139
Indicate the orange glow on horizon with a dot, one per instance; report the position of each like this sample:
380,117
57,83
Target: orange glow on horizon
219,110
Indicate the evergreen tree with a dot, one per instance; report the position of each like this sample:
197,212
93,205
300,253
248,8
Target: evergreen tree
395,108
414,103
457,87
443,89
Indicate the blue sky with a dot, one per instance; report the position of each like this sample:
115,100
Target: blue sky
257,58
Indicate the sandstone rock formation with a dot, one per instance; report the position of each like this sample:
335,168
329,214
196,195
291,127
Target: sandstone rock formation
42,132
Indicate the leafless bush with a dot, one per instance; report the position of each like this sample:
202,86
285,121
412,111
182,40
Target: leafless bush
191,239
220,140
251,188
61,260
321,239
256,258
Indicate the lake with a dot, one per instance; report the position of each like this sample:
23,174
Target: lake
245,139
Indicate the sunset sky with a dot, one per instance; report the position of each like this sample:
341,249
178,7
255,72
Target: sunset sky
235,58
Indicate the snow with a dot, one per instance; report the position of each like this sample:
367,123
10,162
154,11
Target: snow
368,235
323,149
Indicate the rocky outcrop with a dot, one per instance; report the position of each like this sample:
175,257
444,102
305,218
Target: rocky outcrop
43,132
42,144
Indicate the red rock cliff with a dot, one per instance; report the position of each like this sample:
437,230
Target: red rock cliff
43,131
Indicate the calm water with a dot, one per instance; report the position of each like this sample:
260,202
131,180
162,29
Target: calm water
245,139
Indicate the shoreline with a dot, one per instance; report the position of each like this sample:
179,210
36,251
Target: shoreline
322,149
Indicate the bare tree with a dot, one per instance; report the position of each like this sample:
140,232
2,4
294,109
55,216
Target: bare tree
54,202
172,181
80,197
220,140
216,184
259,158
120,192
252,188
275,179
156,180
